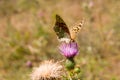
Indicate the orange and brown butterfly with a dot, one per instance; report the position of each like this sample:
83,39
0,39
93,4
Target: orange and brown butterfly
62,31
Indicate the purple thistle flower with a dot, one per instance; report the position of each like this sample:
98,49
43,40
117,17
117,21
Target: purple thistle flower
29,64
69,50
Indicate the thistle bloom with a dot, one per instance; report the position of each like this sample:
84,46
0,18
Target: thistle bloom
69,50
48,70
29,64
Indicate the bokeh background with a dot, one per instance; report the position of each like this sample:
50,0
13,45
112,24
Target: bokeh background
27,36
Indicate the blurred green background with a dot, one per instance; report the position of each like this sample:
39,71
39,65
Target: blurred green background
27,36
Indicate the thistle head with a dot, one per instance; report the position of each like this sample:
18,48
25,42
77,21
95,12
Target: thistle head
48,70
69,50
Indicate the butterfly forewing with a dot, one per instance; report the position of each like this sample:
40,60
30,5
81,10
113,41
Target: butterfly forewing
75,29
61,28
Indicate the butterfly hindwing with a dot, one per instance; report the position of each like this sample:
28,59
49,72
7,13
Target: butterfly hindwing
61,28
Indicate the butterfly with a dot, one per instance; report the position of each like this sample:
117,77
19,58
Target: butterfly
62,31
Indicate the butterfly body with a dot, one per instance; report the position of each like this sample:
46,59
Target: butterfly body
62,31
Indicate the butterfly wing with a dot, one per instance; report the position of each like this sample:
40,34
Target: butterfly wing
75,29
61,28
